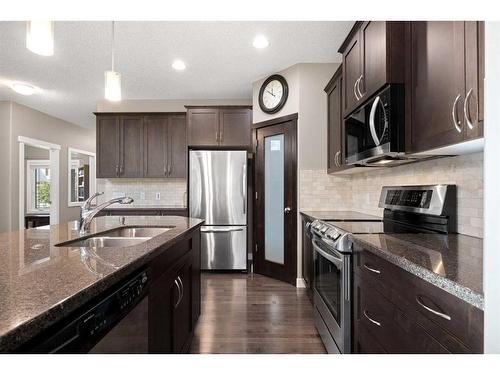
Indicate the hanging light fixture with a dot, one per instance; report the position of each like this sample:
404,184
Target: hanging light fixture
40,37
112,79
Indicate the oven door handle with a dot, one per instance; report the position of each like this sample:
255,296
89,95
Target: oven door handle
335,260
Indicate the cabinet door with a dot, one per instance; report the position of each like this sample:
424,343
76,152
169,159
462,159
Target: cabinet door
474,79
235,127
437,55
177,148
373,57
131,148
203,127
182,326
335,124
155,146
108,146
352,72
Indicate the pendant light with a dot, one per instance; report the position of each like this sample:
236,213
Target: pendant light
112,79
40,37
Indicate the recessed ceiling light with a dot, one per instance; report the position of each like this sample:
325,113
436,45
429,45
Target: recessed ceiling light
178,65
23,88
260,42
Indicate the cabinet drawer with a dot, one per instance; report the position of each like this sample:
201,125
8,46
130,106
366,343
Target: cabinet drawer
391,327
454,322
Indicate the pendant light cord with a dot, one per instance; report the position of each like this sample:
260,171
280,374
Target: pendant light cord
113,46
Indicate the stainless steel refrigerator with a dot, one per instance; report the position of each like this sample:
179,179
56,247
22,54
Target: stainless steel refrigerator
218,194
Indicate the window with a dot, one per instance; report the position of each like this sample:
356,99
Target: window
38,184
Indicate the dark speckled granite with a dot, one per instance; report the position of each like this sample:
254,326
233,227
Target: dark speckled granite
41,283
452,262
340,216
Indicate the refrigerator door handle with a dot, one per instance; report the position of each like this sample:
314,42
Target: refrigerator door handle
244,188
222,230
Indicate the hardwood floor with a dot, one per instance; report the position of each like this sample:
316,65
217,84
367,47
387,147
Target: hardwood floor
254,314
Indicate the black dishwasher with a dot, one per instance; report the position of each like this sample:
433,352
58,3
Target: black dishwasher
117,323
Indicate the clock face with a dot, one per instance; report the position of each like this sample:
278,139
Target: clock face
273,94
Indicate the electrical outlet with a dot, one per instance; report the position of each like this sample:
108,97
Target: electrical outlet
158,196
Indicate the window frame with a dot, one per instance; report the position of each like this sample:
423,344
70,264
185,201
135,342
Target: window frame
31,165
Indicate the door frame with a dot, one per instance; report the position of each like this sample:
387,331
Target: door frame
291,276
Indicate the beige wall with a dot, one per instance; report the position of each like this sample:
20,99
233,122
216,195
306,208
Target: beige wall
166,105
5,202
28,122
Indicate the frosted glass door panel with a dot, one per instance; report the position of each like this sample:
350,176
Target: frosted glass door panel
274,193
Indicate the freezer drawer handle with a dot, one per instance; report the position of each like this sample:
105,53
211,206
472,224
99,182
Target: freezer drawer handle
221,230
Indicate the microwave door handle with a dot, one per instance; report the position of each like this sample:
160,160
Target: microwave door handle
372,121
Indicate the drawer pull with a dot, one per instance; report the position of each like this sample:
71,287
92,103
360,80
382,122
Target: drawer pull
371,269
440,314
371,320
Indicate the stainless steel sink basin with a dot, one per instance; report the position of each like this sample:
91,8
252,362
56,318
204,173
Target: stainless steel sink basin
137,232
120,237
102,241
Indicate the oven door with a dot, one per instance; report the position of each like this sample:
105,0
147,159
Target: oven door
332,293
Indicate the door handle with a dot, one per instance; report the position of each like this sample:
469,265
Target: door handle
466,110
372,121
244,188
225,230
440,314
365,313
287,210
454,115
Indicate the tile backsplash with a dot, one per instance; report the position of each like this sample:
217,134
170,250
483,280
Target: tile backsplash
361,192
145,192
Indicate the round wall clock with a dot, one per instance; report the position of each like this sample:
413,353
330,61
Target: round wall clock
273,94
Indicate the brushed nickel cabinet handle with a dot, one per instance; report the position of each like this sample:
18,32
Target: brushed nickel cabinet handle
164,169
178,291
169,170
374,270
371,320
355,89
182,288
466,110
361,78
454,114
440,314
117,170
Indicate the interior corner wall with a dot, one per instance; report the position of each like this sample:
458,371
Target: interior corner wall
31,123
5,130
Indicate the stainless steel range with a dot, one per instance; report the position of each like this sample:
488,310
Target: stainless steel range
407,209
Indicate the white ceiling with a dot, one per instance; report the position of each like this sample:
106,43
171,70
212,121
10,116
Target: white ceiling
221,62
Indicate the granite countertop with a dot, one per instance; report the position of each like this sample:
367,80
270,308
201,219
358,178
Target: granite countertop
340,216
41,283
118,206
452,262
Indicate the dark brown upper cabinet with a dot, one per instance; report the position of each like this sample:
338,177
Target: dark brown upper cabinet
446,80
219,126
372,56
335,132
141,145
131,146
108,146
165,146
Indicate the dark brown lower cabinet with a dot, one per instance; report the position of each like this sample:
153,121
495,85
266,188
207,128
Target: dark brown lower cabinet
392,312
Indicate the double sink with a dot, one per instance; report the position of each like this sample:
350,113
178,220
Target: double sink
120,237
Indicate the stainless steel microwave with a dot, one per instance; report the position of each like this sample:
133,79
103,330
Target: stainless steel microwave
375,132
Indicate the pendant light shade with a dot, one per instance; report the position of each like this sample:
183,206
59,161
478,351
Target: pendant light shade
40,37
112,79
113,86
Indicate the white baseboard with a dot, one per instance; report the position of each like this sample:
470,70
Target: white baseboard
300,283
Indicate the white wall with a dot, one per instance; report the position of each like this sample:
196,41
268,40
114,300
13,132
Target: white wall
27,122
165,105
491,256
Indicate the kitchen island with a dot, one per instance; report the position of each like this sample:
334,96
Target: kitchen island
47,280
